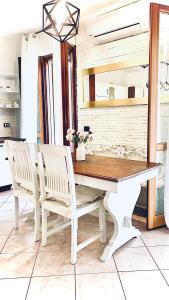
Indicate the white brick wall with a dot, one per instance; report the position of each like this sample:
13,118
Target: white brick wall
119,125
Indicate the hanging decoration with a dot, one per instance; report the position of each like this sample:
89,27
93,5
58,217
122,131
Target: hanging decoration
60,20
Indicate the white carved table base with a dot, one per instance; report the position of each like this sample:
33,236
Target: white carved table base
120,200
120,206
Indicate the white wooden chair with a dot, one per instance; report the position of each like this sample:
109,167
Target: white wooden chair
60,195
24,180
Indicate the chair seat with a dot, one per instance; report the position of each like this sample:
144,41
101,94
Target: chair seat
23,192
84,195
59,207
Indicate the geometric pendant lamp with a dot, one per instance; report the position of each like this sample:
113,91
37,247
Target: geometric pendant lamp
60,19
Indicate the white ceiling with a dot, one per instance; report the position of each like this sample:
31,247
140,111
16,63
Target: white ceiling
22,16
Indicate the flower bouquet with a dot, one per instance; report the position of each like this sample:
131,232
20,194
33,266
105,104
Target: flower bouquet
79,138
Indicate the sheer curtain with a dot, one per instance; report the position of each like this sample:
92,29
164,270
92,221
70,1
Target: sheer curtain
29,84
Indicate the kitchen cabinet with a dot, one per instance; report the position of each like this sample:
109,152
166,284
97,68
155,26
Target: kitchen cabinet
5,175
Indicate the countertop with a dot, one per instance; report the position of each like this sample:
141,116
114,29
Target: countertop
3,138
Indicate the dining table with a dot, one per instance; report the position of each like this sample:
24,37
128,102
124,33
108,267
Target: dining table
121,179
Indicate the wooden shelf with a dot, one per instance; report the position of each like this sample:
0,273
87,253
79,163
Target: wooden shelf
120,102
9,75
9,92
9,107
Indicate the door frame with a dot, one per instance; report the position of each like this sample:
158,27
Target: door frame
154,221
65,48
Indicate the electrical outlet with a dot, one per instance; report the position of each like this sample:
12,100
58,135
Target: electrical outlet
87,128
6,125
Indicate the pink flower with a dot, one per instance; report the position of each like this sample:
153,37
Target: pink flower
70,131
69,137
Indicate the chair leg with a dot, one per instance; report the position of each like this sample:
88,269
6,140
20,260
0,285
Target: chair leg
44,226
16,212
102,224
37,220
74,226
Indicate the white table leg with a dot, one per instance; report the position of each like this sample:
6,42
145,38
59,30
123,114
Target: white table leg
120,206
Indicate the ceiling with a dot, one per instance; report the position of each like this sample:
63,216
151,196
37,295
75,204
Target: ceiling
22,16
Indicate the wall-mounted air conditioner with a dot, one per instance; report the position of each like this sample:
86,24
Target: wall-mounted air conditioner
126,21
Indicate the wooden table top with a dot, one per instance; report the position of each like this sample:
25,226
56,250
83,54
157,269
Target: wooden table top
111,169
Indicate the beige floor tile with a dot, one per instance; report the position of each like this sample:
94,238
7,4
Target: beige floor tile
29,205
53,263
24,228
2,199
136,242
60,287
4,196
166,275
89,262
6,228
62,241
144,285
98,286
3,239
89,222
7,216
8,206
11,198
13,288
57,242
158,237
133,259
1,204
21,243
161,256
16,265
84,235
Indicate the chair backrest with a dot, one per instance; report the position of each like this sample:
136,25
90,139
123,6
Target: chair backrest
56,174
22,166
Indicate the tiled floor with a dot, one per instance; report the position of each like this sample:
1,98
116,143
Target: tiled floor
28,271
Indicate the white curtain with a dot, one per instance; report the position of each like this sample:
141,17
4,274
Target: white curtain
166,190
29,87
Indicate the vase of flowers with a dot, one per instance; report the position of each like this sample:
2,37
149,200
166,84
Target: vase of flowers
79,139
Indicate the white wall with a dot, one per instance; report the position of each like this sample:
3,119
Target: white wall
45,45
9,52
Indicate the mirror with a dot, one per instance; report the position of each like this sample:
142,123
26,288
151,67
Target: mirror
119,84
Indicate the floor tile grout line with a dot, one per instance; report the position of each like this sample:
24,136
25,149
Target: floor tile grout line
6,241
32,272
65,275
3,203
20,277
19,252
119,278
155,262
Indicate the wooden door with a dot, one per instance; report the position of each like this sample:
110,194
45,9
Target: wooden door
158,109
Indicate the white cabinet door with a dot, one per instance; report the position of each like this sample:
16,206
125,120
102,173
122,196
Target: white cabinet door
5,175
